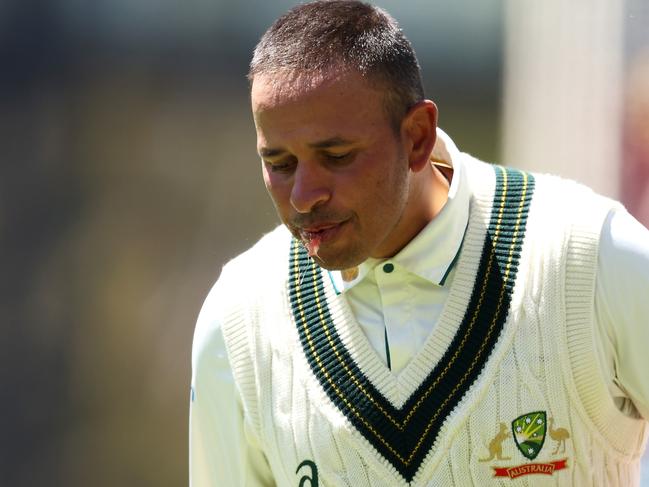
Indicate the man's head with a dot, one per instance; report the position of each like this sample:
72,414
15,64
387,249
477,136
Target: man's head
344,35
345,147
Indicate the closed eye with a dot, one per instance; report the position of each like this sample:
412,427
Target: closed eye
339,157
282,166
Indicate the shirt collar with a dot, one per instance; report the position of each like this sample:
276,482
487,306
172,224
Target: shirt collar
431,254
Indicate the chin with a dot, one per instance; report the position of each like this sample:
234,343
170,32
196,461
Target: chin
329,265
336,262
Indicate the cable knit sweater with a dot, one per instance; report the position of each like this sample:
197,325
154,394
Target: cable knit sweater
506,388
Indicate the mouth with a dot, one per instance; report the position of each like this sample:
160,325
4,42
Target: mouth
313,237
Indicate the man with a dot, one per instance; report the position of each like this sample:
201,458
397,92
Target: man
420,318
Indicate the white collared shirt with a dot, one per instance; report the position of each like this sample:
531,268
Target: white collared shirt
398,301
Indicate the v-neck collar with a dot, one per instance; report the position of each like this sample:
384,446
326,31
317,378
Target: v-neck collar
402,415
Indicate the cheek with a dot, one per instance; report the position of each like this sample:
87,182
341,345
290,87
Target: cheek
278,189
389,193
267,179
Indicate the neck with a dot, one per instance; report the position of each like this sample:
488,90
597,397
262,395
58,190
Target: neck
428,195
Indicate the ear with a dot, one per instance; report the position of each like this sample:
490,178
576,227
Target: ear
419,131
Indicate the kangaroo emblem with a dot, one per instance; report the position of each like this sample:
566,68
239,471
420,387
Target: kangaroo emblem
496,445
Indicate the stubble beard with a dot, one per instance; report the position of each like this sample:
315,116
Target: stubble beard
355,251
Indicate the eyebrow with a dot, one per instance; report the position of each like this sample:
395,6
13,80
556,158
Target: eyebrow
321,144
264,152
332,142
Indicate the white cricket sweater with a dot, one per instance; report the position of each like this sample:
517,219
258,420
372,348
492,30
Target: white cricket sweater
507,385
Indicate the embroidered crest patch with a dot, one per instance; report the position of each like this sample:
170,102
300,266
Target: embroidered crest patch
529,433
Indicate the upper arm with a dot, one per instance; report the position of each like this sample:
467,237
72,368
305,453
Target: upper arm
221,453
622,305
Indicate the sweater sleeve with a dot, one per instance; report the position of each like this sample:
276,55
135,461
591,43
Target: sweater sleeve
622,310
221,451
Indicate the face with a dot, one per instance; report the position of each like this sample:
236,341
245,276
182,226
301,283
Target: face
333,165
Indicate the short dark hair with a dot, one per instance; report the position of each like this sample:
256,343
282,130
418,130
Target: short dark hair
324,34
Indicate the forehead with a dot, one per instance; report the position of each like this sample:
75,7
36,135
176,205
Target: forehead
282,88
344,98
285,86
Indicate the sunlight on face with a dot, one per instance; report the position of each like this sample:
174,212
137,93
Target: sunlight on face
332,163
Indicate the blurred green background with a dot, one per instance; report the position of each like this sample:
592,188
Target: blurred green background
129,176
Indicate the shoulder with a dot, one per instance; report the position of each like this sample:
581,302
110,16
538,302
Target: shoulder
250,271
557,202
625,240
243,281
623,270
555,190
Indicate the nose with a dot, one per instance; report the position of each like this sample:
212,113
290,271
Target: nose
310,187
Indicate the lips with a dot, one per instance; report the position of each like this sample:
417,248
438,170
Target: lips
313,236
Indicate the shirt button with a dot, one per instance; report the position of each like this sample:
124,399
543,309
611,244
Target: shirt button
387,268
